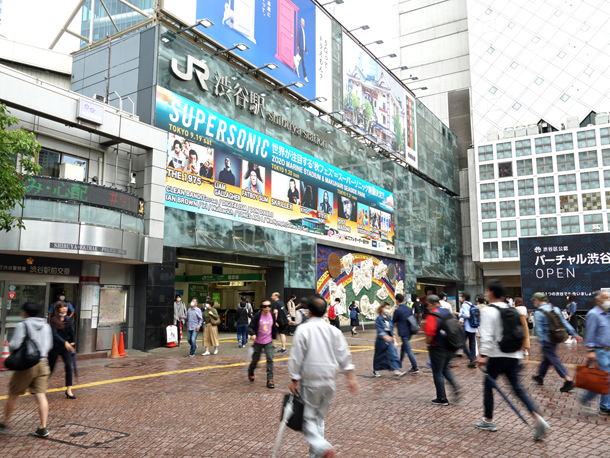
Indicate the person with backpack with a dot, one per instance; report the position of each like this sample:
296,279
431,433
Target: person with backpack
36,377
333,317
242,318
385,357
520,307
354,311
302,313
443,336
470,316
281,319
551,328
406,325
501,338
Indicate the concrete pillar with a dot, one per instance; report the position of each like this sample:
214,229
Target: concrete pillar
89,309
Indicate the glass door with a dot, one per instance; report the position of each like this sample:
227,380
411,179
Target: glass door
14,295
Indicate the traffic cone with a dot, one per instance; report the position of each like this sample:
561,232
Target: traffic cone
5,354
122,347
114,353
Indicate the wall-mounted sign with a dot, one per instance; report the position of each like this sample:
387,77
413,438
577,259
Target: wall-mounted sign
222,168
79,247
90,111
231,277
39,265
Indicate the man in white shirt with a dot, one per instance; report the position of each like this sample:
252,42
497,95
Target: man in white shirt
498,362
319,351
444,304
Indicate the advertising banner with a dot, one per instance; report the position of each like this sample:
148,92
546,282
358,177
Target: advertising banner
293,34
377,103
565,264
219,167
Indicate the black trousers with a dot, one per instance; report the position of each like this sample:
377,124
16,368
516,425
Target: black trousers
67,357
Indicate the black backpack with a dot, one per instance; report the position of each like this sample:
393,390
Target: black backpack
512,329
25,357
450,331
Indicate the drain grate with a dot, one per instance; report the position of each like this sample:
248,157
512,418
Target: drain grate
123,365
84,436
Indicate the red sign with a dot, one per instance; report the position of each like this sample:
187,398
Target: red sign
12,294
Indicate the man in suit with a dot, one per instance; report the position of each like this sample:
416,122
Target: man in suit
302,47
401,316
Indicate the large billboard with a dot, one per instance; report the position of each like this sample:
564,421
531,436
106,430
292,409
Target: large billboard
219,167
293,34
377,103
565,264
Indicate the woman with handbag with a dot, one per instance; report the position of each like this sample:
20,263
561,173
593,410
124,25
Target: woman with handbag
210,331
386,357
63,343
520,307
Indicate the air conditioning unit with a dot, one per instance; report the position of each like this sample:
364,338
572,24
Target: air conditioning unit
71,171
520,131
492,136
601,118
572,122
532,129
509,133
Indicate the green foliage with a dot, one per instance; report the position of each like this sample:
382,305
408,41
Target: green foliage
400,138
14,144
368,113
355,103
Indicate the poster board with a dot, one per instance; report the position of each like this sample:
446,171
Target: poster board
113,305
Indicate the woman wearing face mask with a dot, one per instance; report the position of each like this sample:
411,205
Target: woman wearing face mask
210,332
63,343
179,315
386,357
571,312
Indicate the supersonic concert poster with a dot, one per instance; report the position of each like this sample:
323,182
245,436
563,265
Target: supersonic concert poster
219,167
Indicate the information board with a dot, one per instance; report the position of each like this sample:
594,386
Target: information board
113,304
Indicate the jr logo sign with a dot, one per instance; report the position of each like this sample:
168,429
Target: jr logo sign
203,74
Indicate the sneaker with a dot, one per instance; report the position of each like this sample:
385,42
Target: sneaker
413,370
586,407
251,377
486,425
539,380
567,386
541,429
399,374
239,346
190,356
41,432
526,353
283,350
329,453
207,353
376,374
603,411
457,395
270,385
440,402
3,428
569,341
216,351
472,364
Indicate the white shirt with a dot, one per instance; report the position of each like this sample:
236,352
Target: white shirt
490,333
446,305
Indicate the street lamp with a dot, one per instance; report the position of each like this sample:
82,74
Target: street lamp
414,78
240,47
338,2
202,22
270,66
388,55
378,42
317,99
297,84
341,112
404,67
363,27
423,88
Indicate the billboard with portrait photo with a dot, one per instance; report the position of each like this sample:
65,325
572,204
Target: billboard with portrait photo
363,214
227,168
309,195
325,201
347,208
286,188
253,177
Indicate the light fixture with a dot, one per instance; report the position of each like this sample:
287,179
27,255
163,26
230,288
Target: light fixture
296,84
317,99
389,55
423,88
164,39
378,42
414,78
338,2
240,47
341,112
363,27
270,66
404,67
202,22
198,260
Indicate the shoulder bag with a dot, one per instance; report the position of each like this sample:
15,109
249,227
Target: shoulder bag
26,356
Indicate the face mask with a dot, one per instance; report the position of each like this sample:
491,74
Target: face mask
178,300
62,298
62,314
606,305
192,304
387,312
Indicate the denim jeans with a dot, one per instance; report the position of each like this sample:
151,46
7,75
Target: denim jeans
256,356
549,358
471,350
406,349
242,338
510,368
439,361
603,361
192,339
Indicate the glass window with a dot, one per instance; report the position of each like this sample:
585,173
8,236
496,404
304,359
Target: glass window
49,163
76,161
593,223
486,153
504,150
524,167
607,178
100,216
50,210
589,180
586,138
568,204
608,200
606,156
488,191
526,187
509,228
570,224
546,185
507,209
528,227
506,189
544,165
548,226
547,205
131,223
543,145
505,170
591,201
488,210
565,162
527,207
567,182
510,249
587,159
563,142
604,136
490,230
523,148
486,172
490,249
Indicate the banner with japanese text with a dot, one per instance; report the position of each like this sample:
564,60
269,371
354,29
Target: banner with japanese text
219,167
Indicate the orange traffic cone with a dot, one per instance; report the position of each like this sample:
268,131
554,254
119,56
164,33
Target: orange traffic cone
114,353
5,354
122,347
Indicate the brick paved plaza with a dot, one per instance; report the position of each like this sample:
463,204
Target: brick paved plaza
143,406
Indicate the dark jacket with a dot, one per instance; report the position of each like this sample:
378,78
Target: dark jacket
61,336
254,323
242,314
418,307
401,315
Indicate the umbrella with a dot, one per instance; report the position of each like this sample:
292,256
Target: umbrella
508,401
74,363
283,423
362,322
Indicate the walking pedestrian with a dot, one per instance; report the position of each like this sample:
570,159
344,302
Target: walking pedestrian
401,317
571,311
333,315
354,313
242,318
444,304
319,351
520,307
597,341
262,330
542,315
302,312
418,308
481,302
281,319
498,362
35,378
291,306
440,356
63,343
470,331
386,357
194,320
210,331
60,297
179,314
